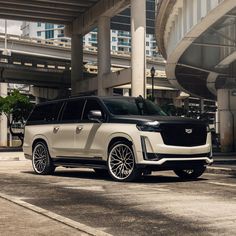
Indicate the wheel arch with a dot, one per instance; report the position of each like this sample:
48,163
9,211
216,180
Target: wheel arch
119,137
39,138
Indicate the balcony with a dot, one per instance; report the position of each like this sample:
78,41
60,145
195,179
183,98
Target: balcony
93,40
125,35
124,44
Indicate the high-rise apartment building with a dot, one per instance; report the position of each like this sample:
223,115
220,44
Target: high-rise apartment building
43,31
120,40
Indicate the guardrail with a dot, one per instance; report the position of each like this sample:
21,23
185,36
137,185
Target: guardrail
66,45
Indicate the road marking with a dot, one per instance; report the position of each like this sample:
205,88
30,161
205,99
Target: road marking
66,221
222,184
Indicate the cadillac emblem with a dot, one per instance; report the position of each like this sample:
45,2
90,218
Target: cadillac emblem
188,131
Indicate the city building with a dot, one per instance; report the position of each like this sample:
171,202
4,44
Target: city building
43,31
120,40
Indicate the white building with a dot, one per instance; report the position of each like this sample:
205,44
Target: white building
43,30
120,40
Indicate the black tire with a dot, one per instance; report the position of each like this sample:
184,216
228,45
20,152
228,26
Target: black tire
122,169
41,160
193,173
101,172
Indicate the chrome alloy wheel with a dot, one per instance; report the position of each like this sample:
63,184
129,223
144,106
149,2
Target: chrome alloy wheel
40,158
121,161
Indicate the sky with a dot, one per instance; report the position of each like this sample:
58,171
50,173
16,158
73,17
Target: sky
13,27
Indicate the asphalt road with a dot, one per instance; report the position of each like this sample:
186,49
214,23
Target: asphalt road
160,204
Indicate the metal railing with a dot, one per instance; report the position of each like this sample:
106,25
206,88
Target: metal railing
65,45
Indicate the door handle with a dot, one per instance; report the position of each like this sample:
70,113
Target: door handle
55,129
79,129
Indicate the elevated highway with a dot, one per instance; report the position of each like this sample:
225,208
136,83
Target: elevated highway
47,63
198,40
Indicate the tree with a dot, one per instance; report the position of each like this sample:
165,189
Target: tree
16,107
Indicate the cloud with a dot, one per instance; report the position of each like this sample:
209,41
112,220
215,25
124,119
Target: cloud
13,27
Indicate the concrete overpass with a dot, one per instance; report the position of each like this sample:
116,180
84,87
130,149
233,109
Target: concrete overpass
47,63
82,16
198,40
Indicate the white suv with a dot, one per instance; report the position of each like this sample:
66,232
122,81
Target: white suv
122,136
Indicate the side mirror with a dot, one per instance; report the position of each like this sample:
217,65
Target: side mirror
95,115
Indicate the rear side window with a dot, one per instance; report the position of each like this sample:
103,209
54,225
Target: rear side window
46,113
73,110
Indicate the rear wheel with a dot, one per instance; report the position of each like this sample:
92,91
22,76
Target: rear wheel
41,161
121,162
193,173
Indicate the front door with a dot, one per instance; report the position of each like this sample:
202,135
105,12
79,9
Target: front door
88,131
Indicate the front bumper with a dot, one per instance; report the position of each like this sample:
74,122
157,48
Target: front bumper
176,163
166,157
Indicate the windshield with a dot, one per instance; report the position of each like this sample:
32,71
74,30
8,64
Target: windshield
132,106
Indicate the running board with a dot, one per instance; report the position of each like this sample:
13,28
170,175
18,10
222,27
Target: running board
79,162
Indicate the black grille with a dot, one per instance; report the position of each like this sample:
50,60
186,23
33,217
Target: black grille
188,135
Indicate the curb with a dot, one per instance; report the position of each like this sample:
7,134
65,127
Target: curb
9,159
220,170
9,149
66,221
217,154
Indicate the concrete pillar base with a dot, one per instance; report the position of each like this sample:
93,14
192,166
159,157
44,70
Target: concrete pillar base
138,31
227,119
104,53
3,118
126,92
76,61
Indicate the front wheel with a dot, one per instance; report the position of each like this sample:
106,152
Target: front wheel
121,162
41,161
193,173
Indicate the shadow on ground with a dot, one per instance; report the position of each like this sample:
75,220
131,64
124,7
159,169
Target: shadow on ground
81,174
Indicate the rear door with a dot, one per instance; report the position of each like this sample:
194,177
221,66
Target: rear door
64,132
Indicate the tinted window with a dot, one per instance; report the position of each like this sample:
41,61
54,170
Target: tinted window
132,106
92,105
73,110
45,113
122,106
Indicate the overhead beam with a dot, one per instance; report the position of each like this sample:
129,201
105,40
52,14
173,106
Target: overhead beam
45,16
215,45
69,2
87,21
47,5
24,10
31,18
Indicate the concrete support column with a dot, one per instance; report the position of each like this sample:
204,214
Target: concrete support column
104,52
226,120
202,106
76,61
3,118
126,92
138,30
38,100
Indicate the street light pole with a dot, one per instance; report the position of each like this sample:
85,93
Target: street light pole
6,52
5,35
153,75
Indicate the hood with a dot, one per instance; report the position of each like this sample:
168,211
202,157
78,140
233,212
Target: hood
131,119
